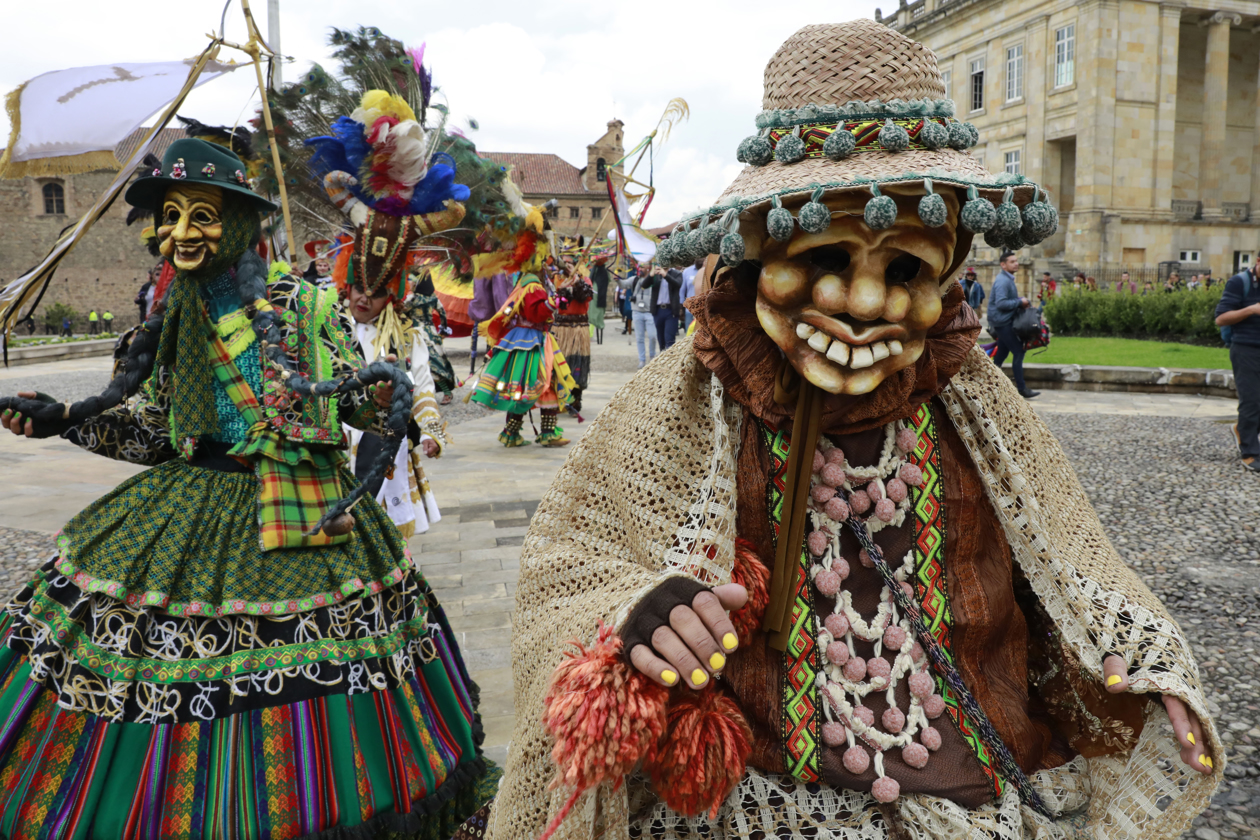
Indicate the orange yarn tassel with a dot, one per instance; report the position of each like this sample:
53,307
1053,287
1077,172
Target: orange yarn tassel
604,715
703,754
750,573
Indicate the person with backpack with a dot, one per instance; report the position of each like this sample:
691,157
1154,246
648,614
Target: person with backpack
973,290
1236,315
1005,304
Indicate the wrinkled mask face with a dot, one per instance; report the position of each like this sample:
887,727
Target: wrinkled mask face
191,225
851,306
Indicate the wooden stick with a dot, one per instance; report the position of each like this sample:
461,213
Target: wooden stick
255,52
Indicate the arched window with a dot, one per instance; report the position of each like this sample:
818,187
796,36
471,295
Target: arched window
54,200
601,170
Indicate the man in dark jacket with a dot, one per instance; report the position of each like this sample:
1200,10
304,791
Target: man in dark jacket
666,304
973,290
1003,307
1238,310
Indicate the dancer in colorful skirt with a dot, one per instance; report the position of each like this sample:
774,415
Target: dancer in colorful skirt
571,327
219,648
526,367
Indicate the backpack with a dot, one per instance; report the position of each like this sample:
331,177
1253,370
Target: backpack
1227,333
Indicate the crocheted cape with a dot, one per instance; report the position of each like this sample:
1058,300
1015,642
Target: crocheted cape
650,492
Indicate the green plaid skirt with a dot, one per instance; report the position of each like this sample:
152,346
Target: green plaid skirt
185,539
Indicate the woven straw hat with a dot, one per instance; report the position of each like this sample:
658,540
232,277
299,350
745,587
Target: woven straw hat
858,106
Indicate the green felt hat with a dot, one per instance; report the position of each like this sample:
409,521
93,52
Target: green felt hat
192,161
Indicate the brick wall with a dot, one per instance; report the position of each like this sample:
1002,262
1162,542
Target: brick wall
104,270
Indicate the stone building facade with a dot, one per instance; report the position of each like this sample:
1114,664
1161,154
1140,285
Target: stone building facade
106,268
1141,117
582,206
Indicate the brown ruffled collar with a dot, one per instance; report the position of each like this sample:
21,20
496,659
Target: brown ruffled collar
731,343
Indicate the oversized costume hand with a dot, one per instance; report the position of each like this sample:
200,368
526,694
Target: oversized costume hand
692,640
34,415
1185,723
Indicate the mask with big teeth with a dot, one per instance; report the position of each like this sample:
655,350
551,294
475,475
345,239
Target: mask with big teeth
851,305
191,225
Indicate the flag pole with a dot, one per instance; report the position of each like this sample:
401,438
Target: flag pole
254,48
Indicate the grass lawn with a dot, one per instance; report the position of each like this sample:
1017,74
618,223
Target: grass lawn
1127,352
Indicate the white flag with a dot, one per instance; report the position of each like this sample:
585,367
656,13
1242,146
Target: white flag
70,121
640,243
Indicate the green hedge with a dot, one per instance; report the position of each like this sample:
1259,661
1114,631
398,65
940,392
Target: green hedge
1165,316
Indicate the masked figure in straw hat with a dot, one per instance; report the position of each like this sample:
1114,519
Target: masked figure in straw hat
820,571
219,648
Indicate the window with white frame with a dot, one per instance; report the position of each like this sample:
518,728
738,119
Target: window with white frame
1014,72
1010,162
947,76
977,84
1065,55
1188,257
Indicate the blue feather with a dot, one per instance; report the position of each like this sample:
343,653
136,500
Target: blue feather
435,188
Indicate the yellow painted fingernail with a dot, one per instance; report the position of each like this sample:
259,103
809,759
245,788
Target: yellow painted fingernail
1113,680
716,661
697,677
669,677
1190,737
1208,760
729,641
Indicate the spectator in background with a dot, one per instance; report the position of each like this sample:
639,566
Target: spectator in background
1126,285
1148,288
1239,309
1091,285
640,288
1078,282
1207,279
973,290
667,306
94,322
689,275
108,318
142,298
66,327
1004,305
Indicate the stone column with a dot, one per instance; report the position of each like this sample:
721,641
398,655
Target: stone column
1035,100
1215,102
1097,33
1166,108
1255,156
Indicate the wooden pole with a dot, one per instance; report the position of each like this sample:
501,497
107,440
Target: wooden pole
255,52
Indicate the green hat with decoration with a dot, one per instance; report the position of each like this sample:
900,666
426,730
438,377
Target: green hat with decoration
193,161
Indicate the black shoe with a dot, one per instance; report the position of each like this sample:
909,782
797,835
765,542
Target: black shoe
1252,464
1030,394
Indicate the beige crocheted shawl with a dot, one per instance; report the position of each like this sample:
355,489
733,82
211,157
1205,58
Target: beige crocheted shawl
652,485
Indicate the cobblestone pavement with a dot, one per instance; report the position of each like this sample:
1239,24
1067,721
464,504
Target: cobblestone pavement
1161,471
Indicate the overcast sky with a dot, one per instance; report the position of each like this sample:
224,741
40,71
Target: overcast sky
542,76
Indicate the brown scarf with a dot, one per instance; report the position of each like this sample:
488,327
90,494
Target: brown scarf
730,342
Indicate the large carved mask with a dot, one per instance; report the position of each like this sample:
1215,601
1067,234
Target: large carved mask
851,306
190,228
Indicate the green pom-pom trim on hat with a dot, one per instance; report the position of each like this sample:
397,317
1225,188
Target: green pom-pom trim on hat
839,145
695,246
814,217
959,136
881,211
893,138
933,135
932,207
973,134
741,153
779,222
711,239
978,214
790,148
665,251
1038,222
1008,219
1014,242
995,240
758,152
732,249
